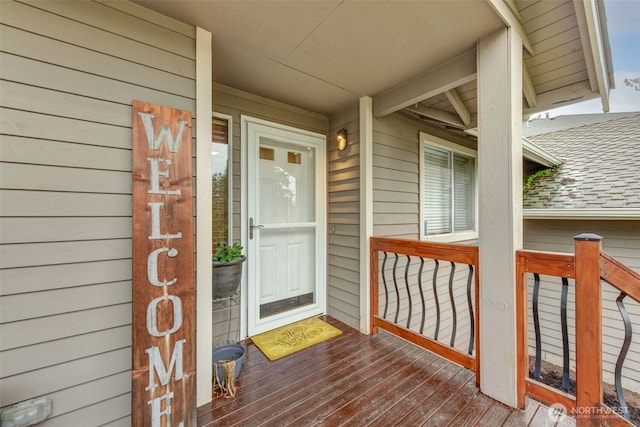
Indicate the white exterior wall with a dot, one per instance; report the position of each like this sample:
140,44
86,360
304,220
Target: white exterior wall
620,239
70,71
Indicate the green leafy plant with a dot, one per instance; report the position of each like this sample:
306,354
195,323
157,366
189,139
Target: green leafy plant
531,178
226,253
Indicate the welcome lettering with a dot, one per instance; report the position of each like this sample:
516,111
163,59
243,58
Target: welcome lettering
163,288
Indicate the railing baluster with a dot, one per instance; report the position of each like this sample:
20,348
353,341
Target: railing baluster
435,297
623,353
453,305
384,282
406,284
395,285
536,325
471,317
424,309
408,328
589,267
565,334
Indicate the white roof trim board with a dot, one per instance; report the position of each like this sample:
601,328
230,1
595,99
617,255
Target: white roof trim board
532,152
598,213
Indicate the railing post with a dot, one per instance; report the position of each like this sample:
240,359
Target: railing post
588,330
373,283
522,329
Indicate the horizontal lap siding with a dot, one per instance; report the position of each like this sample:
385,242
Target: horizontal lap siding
235,103
70,71
396,174
621,239
343,245
396,170
555,36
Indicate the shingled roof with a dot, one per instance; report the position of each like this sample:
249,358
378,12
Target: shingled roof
600,169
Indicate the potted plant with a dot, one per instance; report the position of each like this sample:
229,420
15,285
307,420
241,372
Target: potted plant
227,269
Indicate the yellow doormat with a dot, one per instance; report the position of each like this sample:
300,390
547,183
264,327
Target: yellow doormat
289,339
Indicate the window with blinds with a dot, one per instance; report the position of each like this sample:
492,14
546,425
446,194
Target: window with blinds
448,190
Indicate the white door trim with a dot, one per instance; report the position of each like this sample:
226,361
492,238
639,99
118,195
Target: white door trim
322,203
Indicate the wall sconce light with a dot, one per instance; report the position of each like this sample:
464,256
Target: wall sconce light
341,139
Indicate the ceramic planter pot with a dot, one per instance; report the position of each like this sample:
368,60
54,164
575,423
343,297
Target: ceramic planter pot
226,278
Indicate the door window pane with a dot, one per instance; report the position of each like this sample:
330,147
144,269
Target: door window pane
287,183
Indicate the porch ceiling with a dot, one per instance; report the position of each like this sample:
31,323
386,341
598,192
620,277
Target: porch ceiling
324,55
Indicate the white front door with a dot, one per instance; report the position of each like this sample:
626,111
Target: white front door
286,231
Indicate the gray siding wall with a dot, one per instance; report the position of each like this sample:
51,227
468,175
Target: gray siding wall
621,239
235,103
396,211
70,71
396,172
343,242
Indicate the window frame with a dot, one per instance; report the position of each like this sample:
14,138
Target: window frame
443,144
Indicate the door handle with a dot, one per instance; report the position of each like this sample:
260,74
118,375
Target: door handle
251,227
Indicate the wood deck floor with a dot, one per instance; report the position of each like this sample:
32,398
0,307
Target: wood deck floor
359,380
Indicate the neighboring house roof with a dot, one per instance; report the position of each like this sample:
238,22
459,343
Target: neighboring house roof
600,171
539,126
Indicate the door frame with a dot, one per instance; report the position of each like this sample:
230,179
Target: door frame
321,197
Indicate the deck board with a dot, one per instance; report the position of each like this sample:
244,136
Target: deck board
359,380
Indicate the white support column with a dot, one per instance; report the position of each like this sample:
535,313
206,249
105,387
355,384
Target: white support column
366,206
204,319
500,207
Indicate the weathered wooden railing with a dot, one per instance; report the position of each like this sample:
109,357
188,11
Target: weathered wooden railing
410,304
587,267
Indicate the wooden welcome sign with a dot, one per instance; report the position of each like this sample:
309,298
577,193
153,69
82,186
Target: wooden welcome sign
163,268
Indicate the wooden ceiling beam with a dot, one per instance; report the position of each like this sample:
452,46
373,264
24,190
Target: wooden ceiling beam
562,96
512,21
447,76
433,113
581,17
527,87
588,17
459,106
511,4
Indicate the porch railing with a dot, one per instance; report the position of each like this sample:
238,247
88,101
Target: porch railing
587,268
427,293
